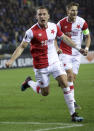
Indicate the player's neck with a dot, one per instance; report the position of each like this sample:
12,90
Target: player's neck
43,26
71,20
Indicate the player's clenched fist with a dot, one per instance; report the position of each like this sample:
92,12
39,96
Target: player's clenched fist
83,52
9,63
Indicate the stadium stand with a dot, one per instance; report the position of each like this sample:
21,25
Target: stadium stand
16,16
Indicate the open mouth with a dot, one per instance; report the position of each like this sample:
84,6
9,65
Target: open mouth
42,20
74,15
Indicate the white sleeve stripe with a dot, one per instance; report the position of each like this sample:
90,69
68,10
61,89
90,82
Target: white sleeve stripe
28,36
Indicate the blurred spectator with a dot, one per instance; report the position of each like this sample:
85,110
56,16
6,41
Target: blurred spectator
16,16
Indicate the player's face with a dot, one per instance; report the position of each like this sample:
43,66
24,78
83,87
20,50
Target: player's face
42,17
72,13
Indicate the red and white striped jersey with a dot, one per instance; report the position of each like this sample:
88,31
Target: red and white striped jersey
42,47
74,31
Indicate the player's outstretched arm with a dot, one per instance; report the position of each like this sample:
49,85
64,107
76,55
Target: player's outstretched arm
72,44
16,53
68,41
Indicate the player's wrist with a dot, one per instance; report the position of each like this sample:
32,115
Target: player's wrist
77,48
86,48
57,49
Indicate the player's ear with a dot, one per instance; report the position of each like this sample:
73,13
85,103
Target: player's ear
36,17
67,11
48,16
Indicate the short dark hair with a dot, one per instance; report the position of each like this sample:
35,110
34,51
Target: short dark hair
72,4
42,7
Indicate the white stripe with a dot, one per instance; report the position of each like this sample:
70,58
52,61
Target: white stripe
37,123
68,126
61,125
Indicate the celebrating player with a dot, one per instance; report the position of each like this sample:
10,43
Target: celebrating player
74,27
41,37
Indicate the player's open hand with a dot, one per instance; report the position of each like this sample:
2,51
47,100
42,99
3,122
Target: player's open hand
9,63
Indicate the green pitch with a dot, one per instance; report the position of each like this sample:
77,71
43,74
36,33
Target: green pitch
28,111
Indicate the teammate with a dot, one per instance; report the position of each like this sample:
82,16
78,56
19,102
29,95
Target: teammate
74,27
41,36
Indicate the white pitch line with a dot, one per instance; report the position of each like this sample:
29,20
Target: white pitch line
37,123
62,125
68,126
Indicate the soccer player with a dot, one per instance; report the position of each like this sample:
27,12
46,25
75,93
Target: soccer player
41,37
74,27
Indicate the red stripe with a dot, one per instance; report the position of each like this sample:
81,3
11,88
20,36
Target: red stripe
66,28
71,87
38,88
39,48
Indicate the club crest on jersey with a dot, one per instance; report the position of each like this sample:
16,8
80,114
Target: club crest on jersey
52,31
65,27
78,26
40,34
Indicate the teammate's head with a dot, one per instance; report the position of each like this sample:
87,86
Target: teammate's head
72,11
42,16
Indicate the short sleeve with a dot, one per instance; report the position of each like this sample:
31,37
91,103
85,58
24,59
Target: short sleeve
85,29
59,32
85,26
28,36
58,24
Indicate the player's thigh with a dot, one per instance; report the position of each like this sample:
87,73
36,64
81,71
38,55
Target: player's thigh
56,70
59,74
42,77
66,61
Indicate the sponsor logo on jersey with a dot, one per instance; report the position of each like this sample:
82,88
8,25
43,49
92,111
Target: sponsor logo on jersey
40,34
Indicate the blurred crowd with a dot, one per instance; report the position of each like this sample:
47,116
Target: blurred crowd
16,16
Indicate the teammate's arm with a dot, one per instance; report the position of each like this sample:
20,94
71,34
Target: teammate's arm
16,53
72,44
57,47
87,42
86,33
69,42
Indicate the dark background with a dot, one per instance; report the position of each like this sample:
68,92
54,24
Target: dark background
16,16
